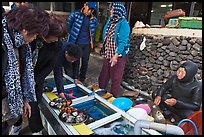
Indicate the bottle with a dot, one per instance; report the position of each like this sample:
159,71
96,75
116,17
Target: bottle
157,115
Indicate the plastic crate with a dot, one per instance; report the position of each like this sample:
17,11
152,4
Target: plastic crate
173,23
190,22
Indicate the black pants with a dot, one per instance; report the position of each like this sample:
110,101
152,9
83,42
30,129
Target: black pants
84,64
181,113
35,122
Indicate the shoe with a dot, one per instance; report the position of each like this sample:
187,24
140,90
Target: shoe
15,130
107,95
38,133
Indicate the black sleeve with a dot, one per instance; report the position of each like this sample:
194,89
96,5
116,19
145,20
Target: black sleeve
4,58
58,71
22,50
165,87
196,101
47,59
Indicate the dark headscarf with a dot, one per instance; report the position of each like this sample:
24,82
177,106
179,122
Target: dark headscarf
191,69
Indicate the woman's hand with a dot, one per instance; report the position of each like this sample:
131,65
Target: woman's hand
27,109
76,81
157,100
170,102
114,60
61,95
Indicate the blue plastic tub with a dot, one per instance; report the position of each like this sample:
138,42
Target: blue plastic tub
122,103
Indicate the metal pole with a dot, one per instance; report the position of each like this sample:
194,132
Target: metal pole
73,6
192,9
51,6
97,14
129,13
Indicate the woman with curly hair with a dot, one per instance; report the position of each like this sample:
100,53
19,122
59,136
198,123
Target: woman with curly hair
20,26
48,54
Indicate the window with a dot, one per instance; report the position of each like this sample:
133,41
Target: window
198,9
5,3
63,6
59,8
158,11
44,5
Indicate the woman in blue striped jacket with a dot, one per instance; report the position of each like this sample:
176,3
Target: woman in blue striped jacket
81,26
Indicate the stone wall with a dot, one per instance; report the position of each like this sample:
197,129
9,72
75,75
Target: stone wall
148,69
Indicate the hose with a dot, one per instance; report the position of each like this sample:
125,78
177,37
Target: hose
169,129
188,120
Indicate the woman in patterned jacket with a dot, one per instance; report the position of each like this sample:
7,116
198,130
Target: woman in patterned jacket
20,26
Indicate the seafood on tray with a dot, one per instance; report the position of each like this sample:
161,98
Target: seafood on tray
72,115
60,103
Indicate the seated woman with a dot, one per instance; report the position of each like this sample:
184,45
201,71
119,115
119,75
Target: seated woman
181,95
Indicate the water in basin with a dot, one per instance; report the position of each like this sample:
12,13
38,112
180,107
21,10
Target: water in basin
95,109
51,82
117,127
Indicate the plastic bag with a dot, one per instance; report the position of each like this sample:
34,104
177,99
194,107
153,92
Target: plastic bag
143,45
139,24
